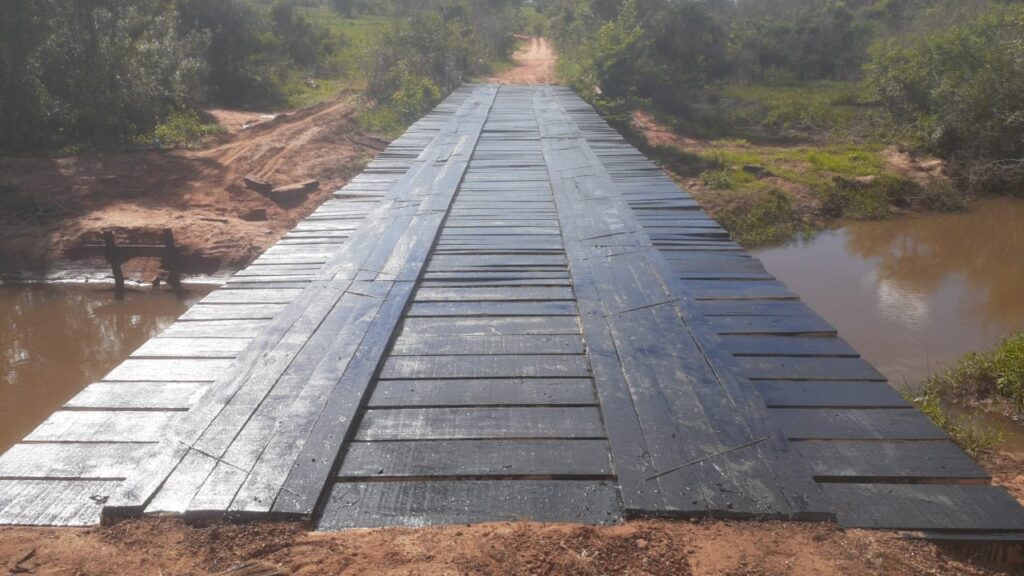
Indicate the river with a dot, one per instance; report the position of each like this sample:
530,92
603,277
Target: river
913,294
57,339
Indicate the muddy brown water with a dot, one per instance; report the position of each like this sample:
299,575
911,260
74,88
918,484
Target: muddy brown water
913,294
55,340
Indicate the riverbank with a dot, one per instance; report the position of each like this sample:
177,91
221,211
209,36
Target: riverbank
772,190
55,205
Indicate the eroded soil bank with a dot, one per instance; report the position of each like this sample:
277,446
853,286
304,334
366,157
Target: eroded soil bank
49,207
678,548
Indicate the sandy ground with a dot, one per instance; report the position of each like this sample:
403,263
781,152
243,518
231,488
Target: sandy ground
167,547
535,64
51,206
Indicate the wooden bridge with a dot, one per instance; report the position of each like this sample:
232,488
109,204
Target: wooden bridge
510,314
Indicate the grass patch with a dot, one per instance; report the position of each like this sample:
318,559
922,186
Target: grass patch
992,379
993,376
972,434
182,130
759,219
803,110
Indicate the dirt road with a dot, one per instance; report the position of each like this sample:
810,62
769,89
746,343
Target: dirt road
535,64
50,206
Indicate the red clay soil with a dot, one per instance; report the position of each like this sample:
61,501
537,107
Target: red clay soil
535,64
50,206
168,547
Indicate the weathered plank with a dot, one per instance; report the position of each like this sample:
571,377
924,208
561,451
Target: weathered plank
419,503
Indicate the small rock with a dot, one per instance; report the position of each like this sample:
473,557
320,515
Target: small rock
257,184
757,171
255,215
641,543
865,180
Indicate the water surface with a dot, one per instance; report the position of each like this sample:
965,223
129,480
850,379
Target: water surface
913,294
55,340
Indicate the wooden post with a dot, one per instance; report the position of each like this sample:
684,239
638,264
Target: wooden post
114,258
171,263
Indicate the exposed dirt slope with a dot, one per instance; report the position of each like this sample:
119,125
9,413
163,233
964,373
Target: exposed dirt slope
535,64
49,206
168,547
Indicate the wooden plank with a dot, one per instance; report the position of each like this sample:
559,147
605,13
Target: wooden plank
855,424
138,396
102,426
428,294
888,461
53,502
940,507
483,392
409,345
215,329
480,423
490,309
749,345
419,503
232,312
71,461
813,368
497,326
476,458
191,348
829,394
486,366
168,370
770,325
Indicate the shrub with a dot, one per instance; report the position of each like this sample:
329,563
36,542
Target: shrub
997,374
961,90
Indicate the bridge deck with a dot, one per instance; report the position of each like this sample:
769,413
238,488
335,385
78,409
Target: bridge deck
511,313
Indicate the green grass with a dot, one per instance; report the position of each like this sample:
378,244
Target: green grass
993,375
757,219
343,70
993,378
971,433
182,130
838,110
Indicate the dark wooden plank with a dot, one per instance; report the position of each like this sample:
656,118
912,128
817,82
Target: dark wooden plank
409,345
750,345
770,325
509,325
486,309
939,507
486,366
829,394
429,294
480,423
191,348
475,458
483,392
855,424
888,461
809,368
418,503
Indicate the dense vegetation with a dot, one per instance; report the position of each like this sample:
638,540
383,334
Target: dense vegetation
845,81
107,73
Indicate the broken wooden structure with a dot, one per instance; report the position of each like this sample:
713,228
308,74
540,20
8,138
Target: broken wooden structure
117,254
511,313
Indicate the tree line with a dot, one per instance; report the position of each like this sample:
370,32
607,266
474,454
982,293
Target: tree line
79,74
950,72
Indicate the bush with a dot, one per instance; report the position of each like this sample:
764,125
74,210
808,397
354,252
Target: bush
961,90
183,129
984,376
757,219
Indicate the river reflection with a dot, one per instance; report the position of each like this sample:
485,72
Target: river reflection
56,340
913,294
